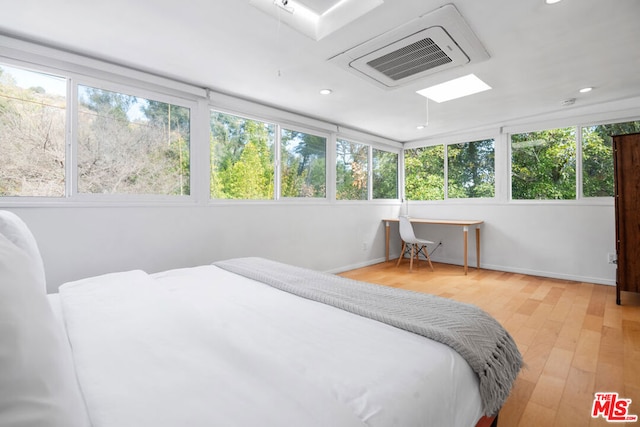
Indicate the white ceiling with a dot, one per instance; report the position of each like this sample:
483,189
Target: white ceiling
540,55
319,6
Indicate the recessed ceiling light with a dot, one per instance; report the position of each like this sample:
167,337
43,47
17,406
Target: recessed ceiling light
420,127
552,1
586,89
456,88
325,91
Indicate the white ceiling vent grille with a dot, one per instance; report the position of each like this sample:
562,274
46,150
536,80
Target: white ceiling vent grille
435,42
417,57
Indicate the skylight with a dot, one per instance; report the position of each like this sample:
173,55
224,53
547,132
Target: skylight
456,88
316,18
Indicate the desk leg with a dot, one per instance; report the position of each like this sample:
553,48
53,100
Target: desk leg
386,239
465,236
478,246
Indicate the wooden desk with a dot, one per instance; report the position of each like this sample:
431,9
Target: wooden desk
461,223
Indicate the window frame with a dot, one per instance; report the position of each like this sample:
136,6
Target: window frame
370,147
117,84
77,69
576,123
137,92
329,182
211,108
578,168
580,156
399,166
445,142
369,171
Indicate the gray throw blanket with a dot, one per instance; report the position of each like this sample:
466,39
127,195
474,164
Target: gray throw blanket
475,335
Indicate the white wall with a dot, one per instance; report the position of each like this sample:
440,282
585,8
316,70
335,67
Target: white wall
568,242
545,239
78,242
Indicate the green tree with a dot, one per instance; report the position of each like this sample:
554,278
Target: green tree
303,164
424,173
351,170
597,157
471,169
385,175
242,158
108,105
175,124
543,164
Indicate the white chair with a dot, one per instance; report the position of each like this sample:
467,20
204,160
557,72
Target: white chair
417,245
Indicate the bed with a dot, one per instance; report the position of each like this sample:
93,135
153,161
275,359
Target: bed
241,342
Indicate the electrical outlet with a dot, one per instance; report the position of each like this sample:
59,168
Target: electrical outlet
611,258
364,246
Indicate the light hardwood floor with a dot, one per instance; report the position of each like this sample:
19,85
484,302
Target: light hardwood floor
574,339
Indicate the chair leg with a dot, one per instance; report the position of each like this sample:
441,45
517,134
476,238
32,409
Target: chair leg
413,248
404,248
425,251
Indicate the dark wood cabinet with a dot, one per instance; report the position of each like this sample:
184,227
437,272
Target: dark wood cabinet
626,155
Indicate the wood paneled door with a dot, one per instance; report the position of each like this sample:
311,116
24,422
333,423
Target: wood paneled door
626,154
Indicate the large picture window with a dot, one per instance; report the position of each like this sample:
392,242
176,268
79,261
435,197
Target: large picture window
32,133
597,157
384,174
471,169
424,173
242,158
543,165
303,164
352,166
131,145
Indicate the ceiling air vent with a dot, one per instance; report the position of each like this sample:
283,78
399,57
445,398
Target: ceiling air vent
434,42
415,58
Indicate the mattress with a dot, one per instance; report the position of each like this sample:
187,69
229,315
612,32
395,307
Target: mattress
203,346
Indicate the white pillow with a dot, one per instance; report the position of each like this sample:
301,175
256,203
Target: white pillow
14,229
38,386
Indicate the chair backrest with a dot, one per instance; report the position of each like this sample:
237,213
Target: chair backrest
406,229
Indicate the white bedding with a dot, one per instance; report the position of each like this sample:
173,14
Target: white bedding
205,347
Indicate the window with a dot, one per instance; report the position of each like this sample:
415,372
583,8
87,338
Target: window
242,158
123,144
385,175
303,164
131,145
597,157
471,169
424,173
32,133
352,177
543,164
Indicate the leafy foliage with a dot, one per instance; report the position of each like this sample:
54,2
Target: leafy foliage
242,158
385,175
303,164
424,173
351,170
471,169
597,157
131,145
543,164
